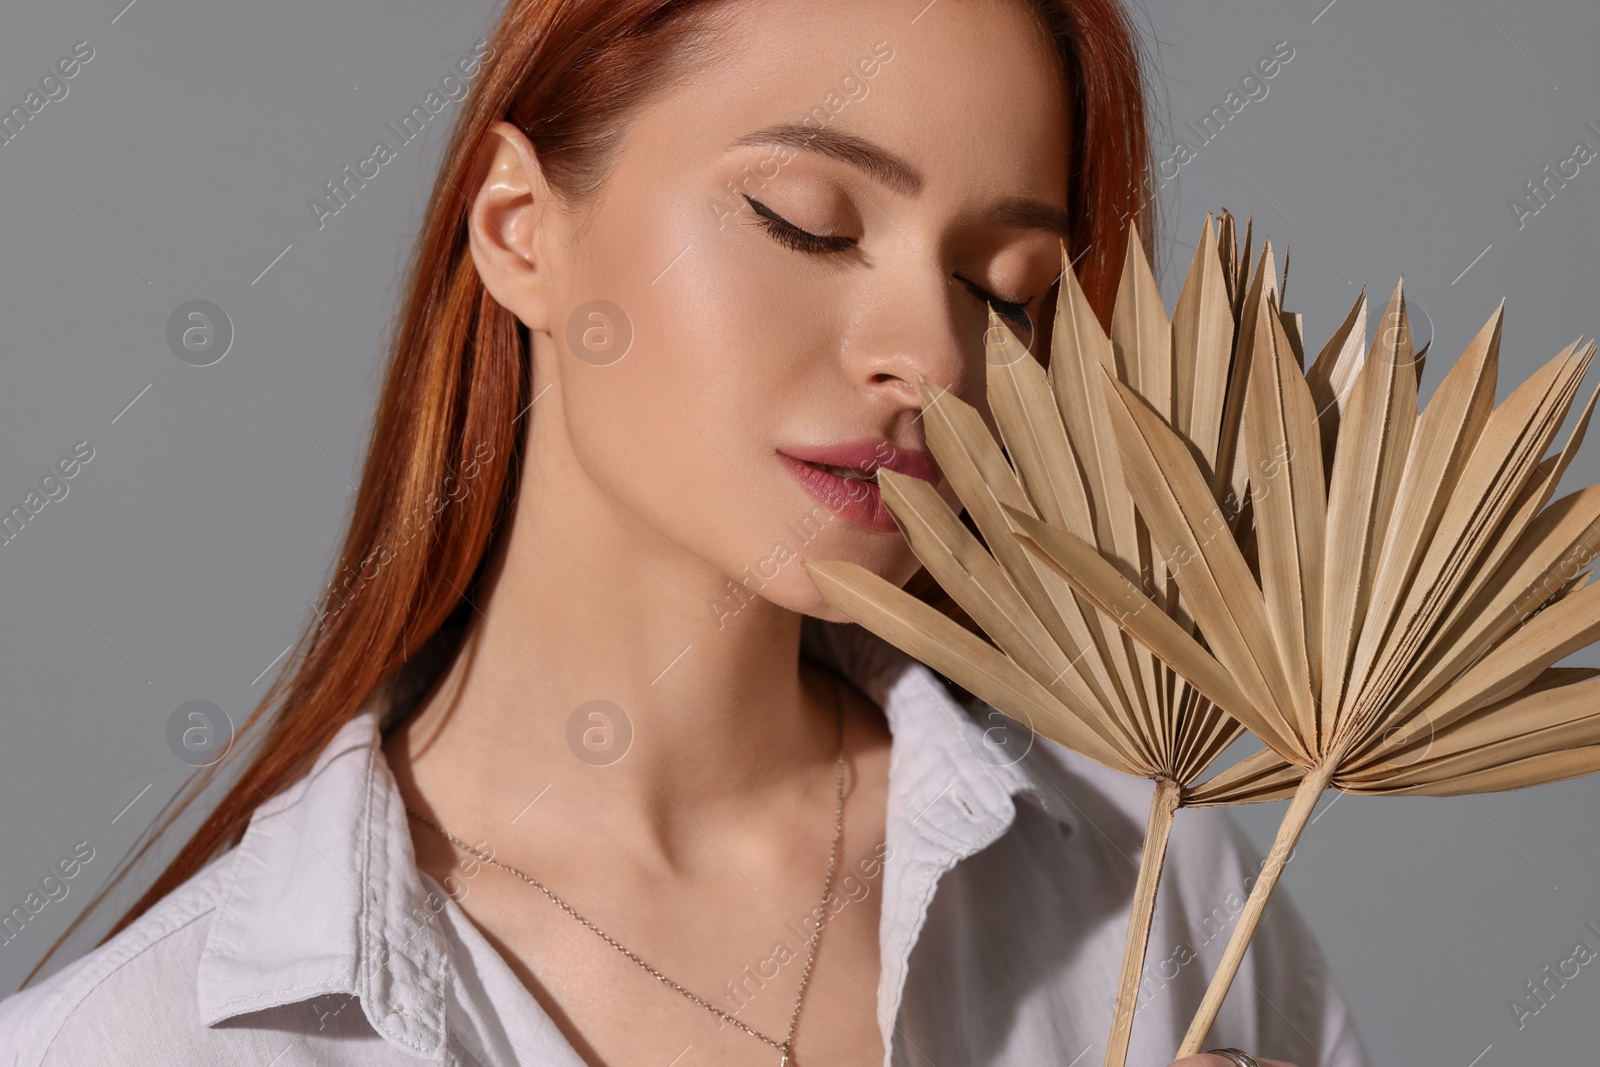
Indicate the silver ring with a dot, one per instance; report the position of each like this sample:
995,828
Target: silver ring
1239,1058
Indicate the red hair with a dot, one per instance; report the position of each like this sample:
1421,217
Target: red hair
570,73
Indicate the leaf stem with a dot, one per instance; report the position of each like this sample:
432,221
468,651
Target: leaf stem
1294,822
1163,805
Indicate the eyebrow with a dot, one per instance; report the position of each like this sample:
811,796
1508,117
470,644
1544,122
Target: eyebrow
1028,214
899,175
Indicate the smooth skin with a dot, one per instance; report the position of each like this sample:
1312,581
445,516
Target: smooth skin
654,480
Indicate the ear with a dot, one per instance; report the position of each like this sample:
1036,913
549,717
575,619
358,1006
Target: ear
512,207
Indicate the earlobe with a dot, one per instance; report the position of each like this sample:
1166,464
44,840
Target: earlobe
505,226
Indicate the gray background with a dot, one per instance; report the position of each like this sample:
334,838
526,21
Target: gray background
188,551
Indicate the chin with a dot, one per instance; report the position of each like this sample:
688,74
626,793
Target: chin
793,590
827,613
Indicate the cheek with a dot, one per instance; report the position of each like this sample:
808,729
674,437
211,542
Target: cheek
666,430
680,428
731,349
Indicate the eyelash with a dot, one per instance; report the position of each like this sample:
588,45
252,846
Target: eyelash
793,237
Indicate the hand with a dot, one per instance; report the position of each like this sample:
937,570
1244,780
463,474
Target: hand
1223,1061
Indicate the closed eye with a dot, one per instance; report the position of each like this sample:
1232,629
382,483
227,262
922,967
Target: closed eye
793,237
1010,309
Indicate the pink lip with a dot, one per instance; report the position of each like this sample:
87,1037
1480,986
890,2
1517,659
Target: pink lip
857,502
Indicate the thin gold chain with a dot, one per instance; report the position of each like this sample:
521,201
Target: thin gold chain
785,1046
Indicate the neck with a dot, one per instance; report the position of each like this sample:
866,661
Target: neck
605,676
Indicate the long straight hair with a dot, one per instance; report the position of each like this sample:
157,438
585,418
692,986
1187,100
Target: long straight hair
445,455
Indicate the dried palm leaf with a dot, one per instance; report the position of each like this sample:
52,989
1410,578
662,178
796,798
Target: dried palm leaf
1057,663
1412,598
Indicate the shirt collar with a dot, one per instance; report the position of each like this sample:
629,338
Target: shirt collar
963,768
325,896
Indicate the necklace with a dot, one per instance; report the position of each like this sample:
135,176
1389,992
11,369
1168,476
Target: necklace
786,1046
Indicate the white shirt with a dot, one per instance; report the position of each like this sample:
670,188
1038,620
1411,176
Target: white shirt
317,941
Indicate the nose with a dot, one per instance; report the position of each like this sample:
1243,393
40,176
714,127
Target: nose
928,326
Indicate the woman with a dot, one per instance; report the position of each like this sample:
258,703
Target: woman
589,772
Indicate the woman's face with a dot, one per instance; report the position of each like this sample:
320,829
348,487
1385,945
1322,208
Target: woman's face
773,298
